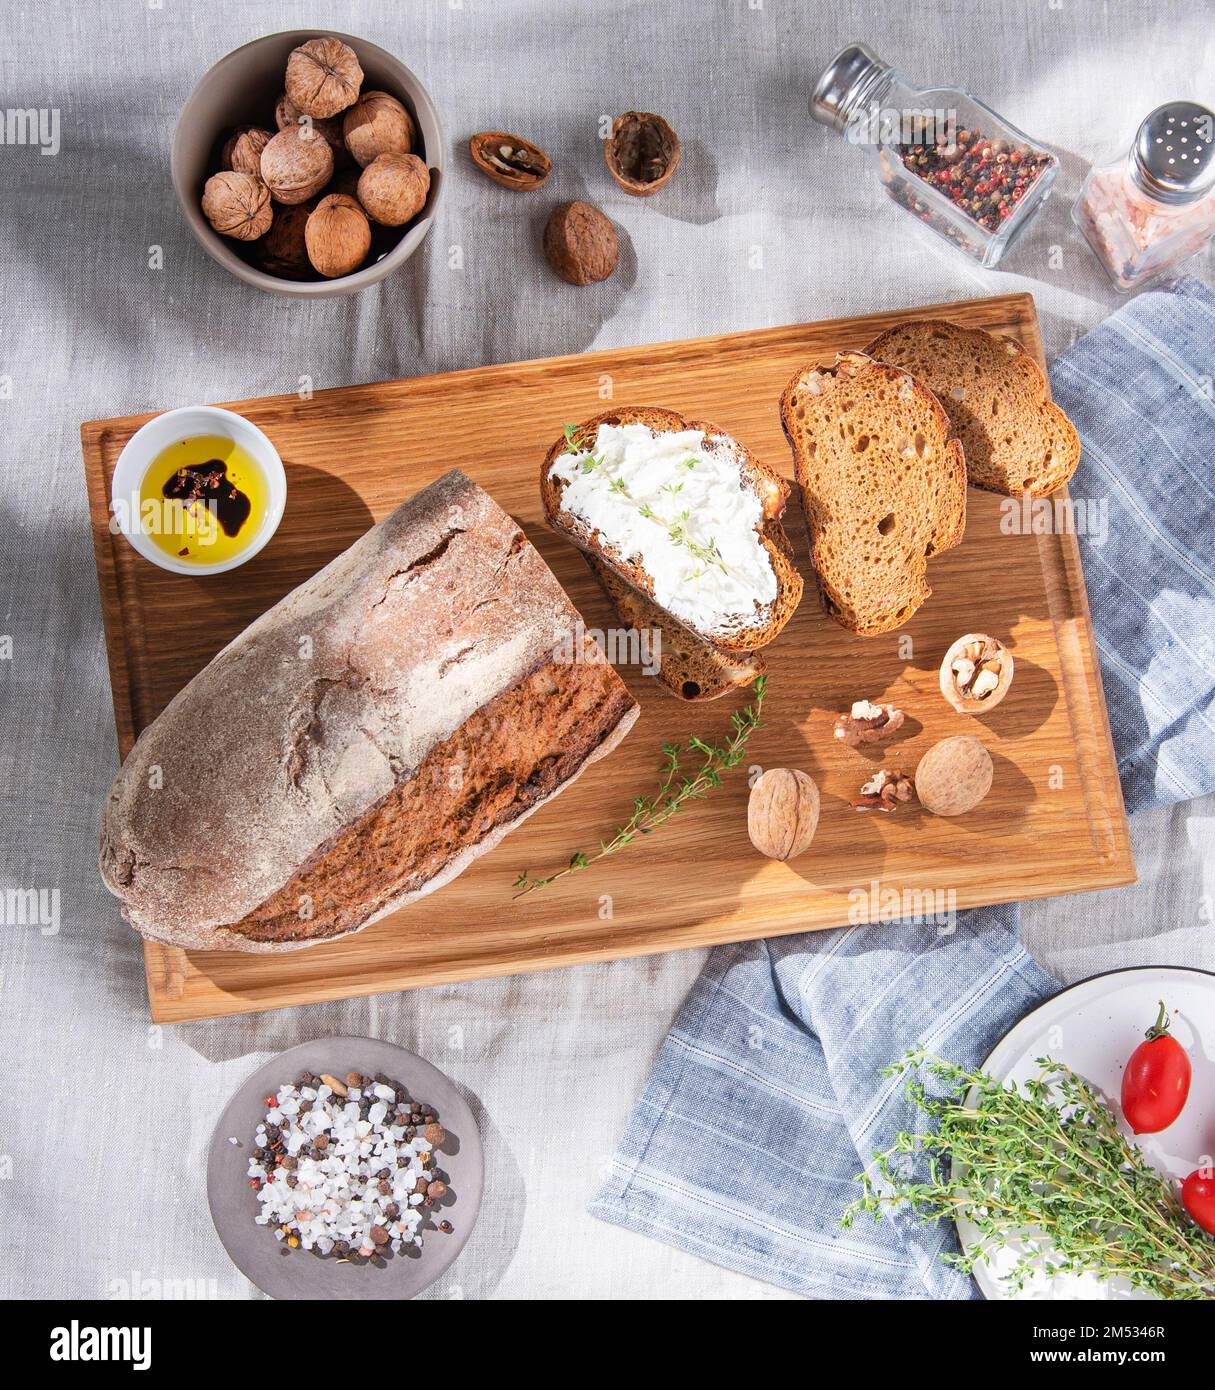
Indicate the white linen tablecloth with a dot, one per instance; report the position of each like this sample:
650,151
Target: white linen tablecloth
104,1119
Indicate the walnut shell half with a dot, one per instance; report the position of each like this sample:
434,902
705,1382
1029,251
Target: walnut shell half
642,152
323,77
393,188
976,673
337,235
510,160
580,243
296,165
378,124
237,205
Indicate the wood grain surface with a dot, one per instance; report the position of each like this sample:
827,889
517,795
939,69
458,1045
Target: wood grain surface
1053,823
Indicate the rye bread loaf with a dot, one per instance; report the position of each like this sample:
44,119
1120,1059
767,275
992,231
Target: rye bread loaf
743,636
364,740
1014,438
689,668
883,486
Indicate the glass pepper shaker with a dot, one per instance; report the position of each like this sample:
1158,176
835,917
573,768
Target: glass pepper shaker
949,159
1155,206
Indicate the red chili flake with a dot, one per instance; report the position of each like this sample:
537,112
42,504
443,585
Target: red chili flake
269,1102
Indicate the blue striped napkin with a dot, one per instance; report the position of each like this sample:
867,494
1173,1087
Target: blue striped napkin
767,1096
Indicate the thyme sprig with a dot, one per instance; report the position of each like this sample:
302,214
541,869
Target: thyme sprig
1041,1169
676,529
676,788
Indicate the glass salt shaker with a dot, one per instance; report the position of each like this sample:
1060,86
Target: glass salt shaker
949,159
1156,206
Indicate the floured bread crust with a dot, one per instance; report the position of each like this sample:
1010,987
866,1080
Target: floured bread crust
409,695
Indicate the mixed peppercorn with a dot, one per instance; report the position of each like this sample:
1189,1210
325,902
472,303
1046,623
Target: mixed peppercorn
984,178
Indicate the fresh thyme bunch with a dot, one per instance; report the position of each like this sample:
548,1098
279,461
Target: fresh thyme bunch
1044,1166
675,789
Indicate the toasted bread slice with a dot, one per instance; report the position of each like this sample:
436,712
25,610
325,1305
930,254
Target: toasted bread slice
883,486
1015,439
689,668
725,566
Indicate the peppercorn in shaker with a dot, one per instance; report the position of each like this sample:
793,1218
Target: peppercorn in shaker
1156,205
945,156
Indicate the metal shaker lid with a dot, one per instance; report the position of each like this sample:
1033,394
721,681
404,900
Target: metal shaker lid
847,83
1174,152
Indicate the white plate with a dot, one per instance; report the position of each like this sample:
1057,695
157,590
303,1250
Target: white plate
1094,1027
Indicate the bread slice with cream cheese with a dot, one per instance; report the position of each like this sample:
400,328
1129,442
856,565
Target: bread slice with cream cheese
683,513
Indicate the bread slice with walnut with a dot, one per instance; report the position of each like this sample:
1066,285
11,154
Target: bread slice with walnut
1015,439
681,512
883,486
689,668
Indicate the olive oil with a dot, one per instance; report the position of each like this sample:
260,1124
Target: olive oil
203,499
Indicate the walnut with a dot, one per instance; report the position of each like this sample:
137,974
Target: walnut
242,150
884,791
337,235
642,152
282,250
393,188
323,77
378,124
237,205
868,723
287,114
510,160
296,165
976,673
954,776
580,243
782,813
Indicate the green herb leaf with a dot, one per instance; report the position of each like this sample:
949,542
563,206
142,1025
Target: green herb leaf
1042,1166
650,812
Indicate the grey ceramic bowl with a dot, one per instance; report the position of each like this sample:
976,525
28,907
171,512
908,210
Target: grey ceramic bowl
242,89
301,1274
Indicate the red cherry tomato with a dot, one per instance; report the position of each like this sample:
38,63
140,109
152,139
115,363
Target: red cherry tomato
1198,1194
1156,1082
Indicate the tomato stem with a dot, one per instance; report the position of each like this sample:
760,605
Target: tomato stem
1159,1029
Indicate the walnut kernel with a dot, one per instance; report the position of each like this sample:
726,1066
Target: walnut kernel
884,791
976,673
868,723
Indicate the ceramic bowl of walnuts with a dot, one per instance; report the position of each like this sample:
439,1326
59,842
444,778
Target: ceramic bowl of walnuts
309,163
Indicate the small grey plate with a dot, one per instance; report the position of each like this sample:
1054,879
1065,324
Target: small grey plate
301,1274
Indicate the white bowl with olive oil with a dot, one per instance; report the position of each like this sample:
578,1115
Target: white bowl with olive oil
198,490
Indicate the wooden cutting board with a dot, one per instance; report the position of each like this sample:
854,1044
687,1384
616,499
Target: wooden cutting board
1053,823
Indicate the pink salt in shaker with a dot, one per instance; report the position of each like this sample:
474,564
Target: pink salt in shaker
1155,207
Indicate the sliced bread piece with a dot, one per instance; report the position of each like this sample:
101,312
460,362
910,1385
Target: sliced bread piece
883,486
684,513
1014,438
689,668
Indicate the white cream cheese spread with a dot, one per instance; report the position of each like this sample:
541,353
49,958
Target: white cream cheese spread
677,505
